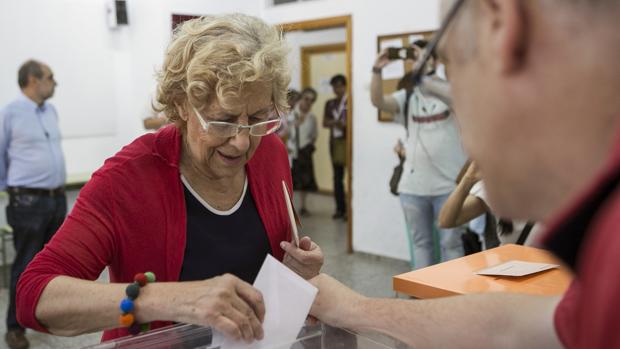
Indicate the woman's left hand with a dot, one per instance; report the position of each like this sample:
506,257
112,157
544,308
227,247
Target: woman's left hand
306,260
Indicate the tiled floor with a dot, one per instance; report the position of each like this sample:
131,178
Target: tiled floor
367,274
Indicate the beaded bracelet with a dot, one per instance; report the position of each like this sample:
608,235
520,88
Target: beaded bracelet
127,319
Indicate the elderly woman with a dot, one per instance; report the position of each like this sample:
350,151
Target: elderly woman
199,204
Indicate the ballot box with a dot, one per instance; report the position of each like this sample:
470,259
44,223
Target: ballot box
183,336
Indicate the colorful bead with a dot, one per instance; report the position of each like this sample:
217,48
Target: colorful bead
135,328
126,320
145,327
141,279
126,305
150,276
133,290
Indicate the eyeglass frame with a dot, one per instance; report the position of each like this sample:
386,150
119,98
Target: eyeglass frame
205,124
418,69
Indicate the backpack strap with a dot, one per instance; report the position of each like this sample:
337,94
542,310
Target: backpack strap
406,114
525,233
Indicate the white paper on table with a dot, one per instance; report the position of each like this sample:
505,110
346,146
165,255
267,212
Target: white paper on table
396,68
288,298
516,268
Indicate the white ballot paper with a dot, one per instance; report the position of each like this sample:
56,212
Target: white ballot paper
516,268
288,298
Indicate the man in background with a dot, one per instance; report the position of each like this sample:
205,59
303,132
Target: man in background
32,171
335,118
433,156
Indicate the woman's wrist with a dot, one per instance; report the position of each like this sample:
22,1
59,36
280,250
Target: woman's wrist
155,303
167,301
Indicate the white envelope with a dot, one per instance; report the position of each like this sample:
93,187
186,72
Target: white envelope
516,268
288,298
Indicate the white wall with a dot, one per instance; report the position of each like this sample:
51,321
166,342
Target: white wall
80,51
378,224
49,36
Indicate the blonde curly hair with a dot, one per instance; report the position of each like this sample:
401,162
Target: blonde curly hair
216,56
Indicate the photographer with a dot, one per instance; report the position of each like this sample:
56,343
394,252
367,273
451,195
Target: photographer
434,156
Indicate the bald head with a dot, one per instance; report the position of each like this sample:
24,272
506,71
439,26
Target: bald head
29,69
36,81
580,4
579,10
525,74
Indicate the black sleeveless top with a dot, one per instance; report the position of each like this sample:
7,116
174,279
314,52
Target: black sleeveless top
218,242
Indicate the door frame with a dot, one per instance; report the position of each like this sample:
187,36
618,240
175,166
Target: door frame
339,22
307,51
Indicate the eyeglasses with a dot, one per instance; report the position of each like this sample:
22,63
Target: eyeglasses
440,89
227,129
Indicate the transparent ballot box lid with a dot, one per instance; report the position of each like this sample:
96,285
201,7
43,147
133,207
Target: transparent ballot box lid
183,336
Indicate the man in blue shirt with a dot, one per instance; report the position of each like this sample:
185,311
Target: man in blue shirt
32,171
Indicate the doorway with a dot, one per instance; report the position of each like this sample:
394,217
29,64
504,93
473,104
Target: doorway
326,52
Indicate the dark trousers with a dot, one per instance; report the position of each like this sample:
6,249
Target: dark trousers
34,219
339,188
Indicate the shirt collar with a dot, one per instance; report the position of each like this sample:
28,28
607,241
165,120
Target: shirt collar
30,103
569,230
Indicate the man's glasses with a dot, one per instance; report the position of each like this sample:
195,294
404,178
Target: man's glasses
227,129
441,90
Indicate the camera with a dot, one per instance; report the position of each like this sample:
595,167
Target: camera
401,53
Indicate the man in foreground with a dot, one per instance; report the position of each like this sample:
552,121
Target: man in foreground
535,91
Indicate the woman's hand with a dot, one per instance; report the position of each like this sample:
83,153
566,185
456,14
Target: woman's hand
473,173
225,303
399,149
306,260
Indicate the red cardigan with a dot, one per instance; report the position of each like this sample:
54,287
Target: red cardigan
131,217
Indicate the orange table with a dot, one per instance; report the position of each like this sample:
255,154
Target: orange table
457,276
